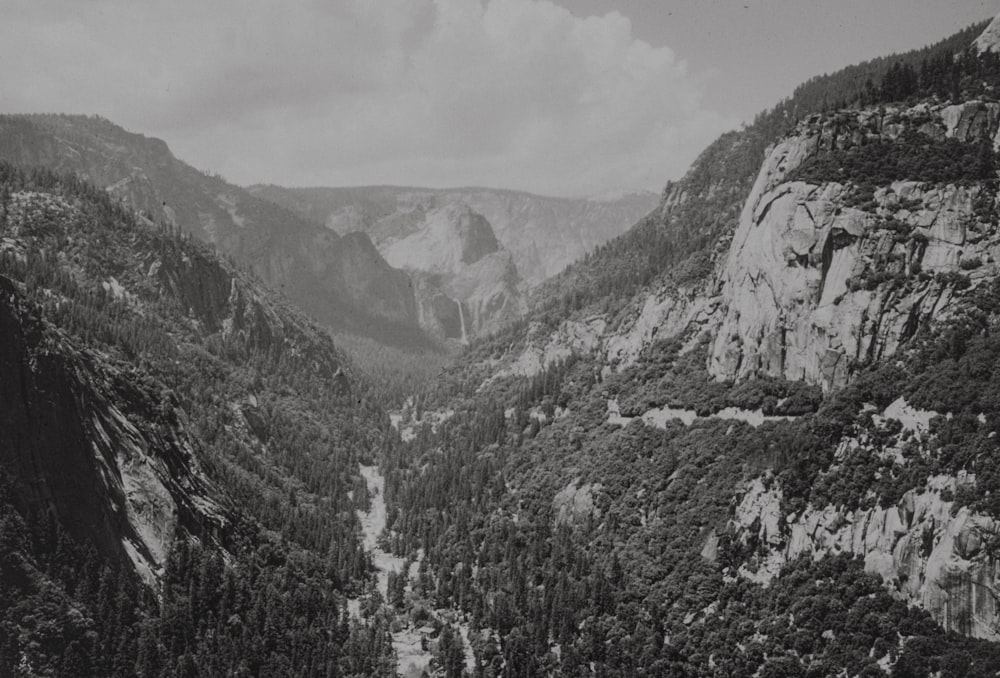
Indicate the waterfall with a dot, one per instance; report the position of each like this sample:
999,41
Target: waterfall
461,317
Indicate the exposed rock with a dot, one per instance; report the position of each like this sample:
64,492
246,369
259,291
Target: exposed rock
971,120
794,287
710,549
664,313
543,234
112,479
923,549
573,502
659,416
545,349
989,39
465,285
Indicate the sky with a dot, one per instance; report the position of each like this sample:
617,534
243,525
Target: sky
559,97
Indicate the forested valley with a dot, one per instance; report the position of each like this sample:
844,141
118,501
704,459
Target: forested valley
635,479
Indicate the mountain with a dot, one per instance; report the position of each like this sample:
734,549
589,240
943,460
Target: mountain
528,238
543,234
341,281
755,434
179,456
466,285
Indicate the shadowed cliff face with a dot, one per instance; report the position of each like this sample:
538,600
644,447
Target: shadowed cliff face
101,316
111,462
343,282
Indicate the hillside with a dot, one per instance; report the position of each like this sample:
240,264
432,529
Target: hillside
179,454
755,435
341,281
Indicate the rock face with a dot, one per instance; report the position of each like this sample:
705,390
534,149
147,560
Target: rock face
472,252
341,281
465,284
94,435
989,40
812,283
930,554
446,240
543,234
90,454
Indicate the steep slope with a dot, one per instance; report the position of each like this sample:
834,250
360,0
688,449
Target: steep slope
543,234
168,426
465,284
755,435
343,282
860,228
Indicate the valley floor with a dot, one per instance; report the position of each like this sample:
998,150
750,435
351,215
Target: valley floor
411,640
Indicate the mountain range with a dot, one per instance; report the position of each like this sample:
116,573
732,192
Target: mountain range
474,253
333,273
753,435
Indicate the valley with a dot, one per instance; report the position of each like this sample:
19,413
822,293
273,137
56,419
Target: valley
744,427
475,254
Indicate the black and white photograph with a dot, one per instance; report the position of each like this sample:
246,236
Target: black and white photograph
500,339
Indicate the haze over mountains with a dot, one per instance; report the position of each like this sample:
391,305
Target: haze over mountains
755,434
475,252
544,234
335,273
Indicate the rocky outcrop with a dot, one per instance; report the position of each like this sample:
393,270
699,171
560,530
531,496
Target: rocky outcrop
544,347
989,39
441,240
114,474
813,282
931,552
662,313
575,502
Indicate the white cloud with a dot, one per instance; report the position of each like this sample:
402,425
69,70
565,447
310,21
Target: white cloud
515,93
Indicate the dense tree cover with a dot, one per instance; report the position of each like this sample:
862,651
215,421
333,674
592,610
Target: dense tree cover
632,573
643,584
664,376
64,611
391,373
913,157
94,147
951,370
275,425
633,586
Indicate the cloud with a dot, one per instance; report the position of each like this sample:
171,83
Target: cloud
514,93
